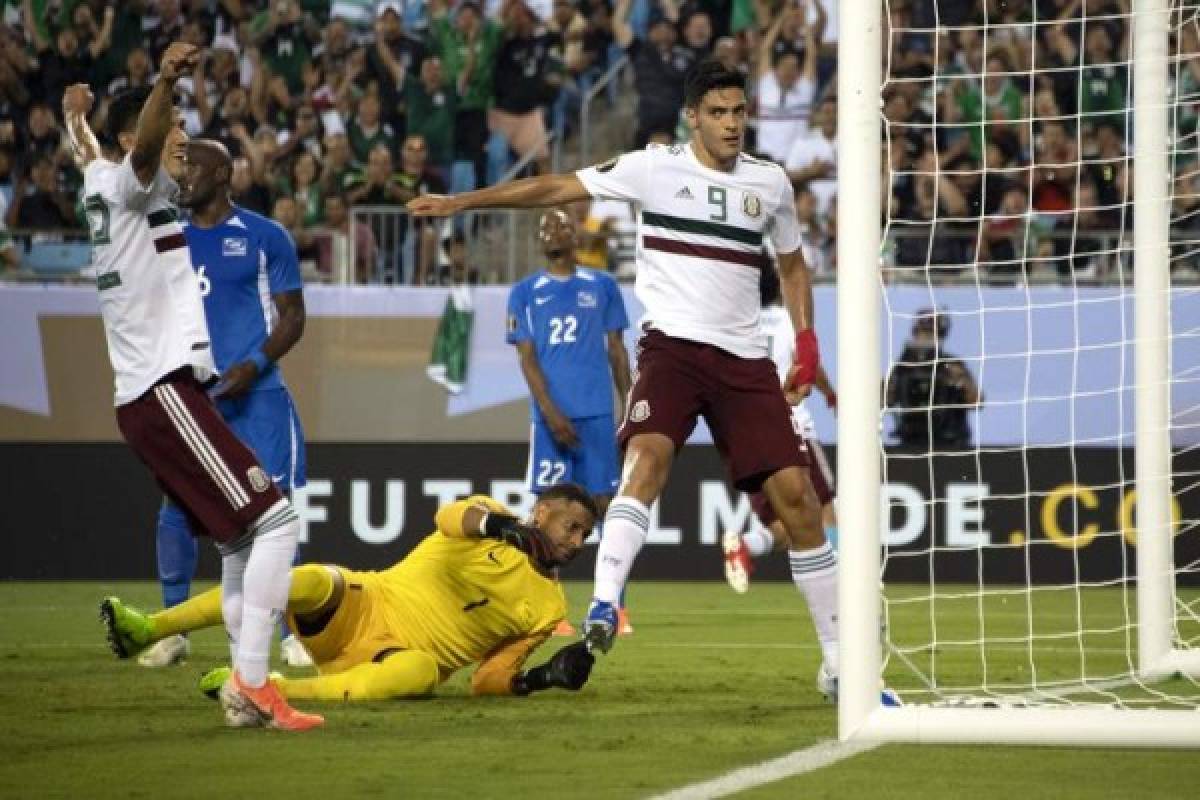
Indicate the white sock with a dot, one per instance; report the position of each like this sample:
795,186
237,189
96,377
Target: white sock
815,574
759,542
268,578
233,571
625,528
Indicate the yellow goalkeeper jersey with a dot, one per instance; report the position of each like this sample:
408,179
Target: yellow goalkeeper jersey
459,598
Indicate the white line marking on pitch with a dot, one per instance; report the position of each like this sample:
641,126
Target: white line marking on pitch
819,756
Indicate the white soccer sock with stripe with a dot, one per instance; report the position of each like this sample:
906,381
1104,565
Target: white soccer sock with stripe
625,528
233,571
759,542
815,574
268,578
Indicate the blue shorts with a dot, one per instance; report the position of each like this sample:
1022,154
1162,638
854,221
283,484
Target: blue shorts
266,421
593,464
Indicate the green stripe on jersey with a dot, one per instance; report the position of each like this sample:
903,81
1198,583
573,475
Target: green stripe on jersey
684,225
162,216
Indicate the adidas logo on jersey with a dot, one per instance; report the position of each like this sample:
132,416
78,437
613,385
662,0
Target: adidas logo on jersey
684,194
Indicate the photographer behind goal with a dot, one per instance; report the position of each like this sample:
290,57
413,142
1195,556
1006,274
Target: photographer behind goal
929,390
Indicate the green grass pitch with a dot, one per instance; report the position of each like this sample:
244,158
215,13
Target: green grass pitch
709,682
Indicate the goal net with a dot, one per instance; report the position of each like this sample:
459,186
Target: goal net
1038,344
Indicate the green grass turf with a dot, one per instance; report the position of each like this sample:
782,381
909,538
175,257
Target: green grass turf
709,682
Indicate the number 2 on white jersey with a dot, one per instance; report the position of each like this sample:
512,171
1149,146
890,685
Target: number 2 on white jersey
562,329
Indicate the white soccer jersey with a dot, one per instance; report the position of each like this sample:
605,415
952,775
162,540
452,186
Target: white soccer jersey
781,344
701,238
149,295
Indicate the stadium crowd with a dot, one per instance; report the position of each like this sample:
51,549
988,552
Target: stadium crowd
330,104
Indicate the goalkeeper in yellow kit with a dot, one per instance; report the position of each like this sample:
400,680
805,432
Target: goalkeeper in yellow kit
479,589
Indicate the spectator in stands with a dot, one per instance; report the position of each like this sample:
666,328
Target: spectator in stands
233,112
284,34
15,69
336,45
162,23
302,185
69,61
1108,166
1002,246
337,163
467,46
568,27
988,109
1088,245
304,135
393,60
814,237
456,272
368,131
696,29
138,72
378,185
432,105
44,206
416,178
41,136
785,86
1055,162
338,219
812,160
287,214
526,78
247,191
659,65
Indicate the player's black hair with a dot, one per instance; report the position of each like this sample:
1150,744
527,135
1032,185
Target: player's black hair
707,75
123,112
574,493
769,293
931,320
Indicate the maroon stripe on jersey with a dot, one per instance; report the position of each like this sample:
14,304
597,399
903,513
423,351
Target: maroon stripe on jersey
168,243
758,260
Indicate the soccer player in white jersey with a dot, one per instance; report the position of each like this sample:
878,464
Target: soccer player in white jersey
741,548
704,209
158,344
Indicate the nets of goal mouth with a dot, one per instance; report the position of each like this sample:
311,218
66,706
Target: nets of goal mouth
1009,561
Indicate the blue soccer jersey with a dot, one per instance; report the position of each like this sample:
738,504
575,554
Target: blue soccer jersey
568,320
241,263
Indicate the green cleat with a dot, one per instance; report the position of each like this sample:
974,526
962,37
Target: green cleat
212,681
128,630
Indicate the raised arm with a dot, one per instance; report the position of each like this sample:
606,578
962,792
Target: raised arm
540,191
77,103
763,63
622,32
157,115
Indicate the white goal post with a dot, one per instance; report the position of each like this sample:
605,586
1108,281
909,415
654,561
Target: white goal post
861,717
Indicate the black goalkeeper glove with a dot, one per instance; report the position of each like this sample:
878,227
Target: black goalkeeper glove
526,538
569,668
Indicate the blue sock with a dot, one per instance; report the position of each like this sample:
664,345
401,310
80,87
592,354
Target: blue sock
176,555
831,534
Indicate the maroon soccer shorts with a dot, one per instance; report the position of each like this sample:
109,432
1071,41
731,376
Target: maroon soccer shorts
739,398
198,461
818,472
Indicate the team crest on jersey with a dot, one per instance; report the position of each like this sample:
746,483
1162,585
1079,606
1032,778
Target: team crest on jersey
675,149
586,299
751,205
258,479
233,246
607,166
640,411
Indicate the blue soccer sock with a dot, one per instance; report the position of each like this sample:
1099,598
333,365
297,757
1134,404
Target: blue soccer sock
177,554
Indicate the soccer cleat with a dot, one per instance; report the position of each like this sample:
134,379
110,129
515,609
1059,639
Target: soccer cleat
827,684
293,653
600,626
127,629
166,652
624,626
247,707
738,565
564,628
212,681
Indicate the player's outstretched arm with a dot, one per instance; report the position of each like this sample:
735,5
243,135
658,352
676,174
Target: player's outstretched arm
77,104
540,191
795,284
157,117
